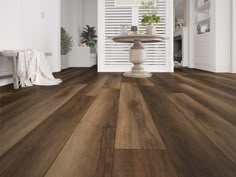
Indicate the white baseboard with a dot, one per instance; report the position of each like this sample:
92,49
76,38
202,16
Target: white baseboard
6,81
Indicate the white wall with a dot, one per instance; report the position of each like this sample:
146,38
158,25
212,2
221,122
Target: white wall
72,21
222,36
75,14
72,17
9,33
90,13
41,28
33,24
233,38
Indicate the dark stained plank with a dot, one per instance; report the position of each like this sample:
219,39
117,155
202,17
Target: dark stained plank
219,131
24,101
191,152
29,96
6,90
135,126
18,94
228,75
192,111
223,96
114,82
93,88
215,84
144,82
142,163
45,142
226,111
218,79
91,146
129,80
18,127
166,85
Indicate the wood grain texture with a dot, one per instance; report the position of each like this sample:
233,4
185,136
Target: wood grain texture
219,131
142,163
136,129
114,82
93,88
223,96
215,84
18,127
71,130
16,107
225,110
45,142
166,83
144,82
191,152
92,143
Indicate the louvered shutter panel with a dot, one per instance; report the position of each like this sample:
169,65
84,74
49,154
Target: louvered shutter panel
114,57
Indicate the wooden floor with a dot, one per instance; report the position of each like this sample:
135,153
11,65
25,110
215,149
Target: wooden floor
179,124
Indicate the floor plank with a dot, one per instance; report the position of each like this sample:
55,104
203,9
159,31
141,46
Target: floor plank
219,131
144,82
223,96
18,127
178,124
142,163
191,152
45,142
226,111
114,82
215,84
96,85
165,85
92,143
136,129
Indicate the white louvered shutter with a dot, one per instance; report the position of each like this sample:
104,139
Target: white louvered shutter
114,57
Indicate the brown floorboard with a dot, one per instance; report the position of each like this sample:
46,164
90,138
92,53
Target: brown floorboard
92,143
45,142
142,163
136,129
226,111
220,132
180,124
22,124
191,152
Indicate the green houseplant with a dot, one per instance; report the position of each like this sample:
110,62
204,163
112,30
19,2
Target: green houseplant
89,36
66,42
151,18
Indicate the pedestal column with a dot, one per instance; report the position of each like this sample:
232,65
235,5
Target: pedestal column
137,57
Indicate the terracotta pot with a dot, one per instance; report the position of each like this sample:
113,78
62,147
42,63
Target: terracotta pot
151,29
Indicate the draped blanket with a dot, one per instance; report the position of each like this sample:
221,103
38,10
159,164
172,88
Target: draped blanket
33,69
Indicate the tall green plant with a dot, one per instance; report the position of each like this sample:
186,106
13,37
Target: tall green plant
89,36
151,17
66,42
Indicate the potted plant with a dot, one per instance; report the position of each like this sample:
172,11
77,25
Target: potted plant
66,42
151,19
89,36
66,46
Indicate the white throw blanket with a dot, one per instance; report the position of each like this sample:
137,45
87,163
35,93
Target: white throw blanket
33,69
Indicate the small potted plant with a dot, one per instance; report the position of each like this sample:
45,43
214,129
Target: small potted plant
66,42
89,36
151,19
66,46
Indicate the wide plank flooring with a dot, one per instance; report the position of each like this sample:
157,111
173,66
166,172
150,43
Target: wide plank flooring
180,124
